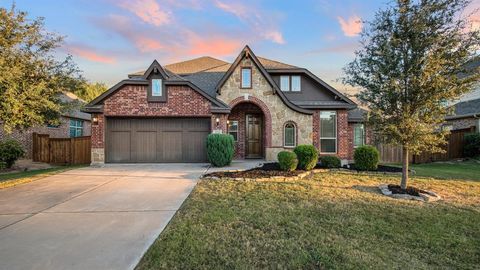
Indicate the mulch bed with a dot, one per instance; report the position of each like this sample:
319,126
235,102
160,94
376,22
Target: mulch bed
266,170
396,189
272,169
381,168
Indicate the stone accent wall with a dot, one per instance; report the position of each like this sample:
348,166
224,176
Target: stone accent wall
131,100
25,136
463,123
280,113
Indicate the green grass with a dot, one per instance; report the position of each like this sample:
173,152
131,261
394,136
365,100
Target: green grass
468,170
333,221
15,178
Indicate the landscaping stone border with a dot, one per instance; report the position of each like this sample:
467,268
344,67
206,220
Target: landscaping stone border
272,178
428,196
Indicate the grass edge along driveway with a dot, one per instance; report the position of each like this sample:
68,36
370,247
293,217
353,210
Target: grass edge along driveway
16,178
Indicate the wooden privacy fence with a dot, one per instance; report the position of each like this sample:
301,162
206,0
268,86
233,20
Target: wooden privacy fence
453,150
61,150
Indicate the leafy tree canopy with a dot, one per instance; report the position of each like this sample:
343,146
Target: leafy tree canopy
88,91
31,77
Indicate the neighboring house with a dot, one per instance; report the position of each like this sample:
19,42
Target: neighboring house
165,113
466,113
466,116
73,123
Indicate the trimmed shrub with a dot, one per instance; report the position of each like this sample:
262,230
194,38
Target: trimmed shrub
307,156
330,162
472,145
287,161
10,151
220,149
366,158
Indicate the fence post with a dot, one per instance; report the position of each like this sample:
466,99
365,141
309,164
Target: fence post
72,149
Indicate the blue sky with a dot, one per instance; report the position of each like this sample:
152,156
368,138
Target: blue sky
111,38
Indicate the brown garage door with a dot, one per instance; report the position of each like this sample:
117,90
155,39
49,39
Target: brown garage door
156,139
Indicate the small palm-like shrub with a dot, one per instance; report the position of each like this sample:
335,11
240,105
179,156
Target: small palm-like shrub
472,145
287,161
307,156
366,158
10,151
220,149
330,162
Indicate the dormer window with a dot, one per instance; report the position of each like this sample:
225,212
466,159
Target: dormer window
290,83
156,87
246,77
156,91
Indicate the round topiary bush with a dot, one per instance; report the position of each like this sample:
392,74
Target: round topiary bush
366,158
220,149
330,162
472,145
287,161
307,156
10,151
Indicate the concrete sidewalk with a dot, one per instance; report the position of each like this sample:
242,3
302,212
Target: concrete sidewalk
91,218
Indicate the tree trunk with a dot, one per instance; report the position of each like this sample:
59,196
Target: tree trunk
403,184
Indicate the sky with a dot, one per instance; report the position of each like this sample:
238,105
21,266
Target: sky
110,38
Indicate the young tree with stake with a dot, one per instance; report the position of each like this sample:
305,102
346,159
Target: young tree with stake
412,62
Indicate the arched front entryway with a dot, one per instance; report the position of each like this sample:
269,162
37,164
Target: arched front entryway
249,125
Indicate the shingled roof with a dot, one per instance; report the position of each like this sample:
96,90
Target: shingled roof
210,64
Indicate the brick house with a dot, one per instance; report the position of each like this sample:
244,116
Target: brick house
164,114
73,123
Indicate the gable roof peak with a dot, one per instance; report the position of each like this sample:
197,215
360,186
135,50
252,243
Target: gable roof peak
155,67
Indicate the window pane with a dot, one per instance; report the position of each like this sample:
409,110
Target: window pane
328,145
246,78
72,132
358,135
285,83
296,85
233,126
289,135
156,87
328,122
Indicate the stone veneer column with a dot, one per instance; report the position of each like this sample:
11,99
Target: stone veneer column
98,140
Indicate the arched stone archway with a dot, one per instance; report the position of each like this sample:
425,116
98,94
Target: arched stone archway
249,115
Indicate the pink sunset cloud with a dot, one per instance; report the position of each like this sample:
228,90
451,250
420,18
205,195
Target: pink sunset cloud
148,11
89,54
352,26
262,23
212,45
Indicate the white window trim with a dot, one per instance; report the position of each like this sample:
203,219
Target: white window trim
288,84
228,129
300,83
328,138
161,88
294,135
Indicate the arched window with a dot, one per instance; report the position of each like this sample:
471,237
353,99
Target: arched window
289,135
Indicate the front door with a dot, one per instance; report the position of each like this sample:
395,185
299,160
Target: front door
254,147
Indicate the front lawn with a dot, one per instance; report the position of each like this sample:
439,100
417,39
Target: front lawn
468,170
15,178
334,220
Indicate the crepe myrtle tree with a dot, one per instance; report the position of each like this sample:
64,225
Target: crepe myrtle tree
31,75
413,60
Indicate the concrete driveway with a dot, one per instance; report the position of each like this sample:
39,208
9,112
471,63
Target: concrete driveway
91,218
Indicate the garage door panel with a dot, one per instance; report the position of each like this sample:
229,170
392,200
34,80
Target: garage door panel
145,146
157,139
119,147
171,150
194,148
